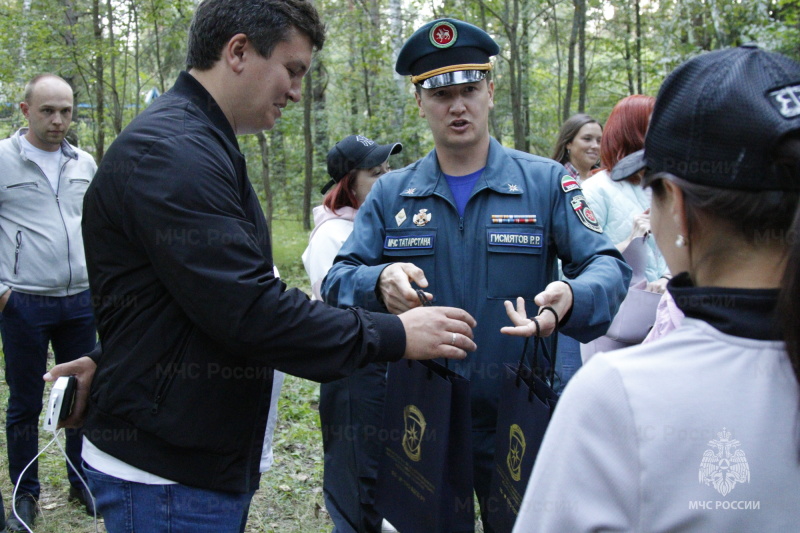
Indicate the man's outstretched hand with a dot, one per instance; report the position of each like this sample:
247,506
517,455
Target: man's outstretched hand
438,332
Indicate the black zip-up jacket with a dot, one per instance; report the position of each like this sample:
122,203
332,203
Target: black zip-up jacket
191,318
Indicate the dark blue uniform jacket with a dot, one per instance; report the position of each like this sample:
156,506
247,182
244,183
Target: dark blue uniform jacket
475,264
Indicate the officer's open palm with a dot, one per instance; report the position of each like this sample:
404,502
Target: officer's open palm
395,287
557,296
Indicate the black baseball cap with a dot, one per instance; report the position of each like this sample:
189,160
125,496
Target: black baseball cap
446,52
356,151
717,119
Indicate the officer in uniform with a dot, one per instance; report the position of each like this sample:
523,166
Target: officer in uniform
476,224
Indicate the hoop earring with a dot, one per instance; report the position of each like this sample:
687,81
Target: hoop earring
680,242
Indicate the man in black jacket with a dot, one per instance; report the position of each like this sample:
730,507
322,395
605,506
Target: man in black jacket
191,317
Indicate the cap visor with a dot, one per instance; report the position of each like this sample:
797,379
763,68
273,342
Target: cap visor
628,166
380,154
327,187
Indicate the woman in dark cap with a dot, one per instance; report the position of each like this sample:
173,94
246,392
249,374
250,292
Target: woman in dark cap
665,436
350,409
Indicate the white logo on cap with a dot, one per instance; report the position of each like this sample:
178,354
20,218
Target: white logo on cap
364,140
788,99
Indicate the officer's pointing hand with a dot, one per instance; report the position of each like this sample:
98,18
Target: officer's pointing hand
395,286
438,332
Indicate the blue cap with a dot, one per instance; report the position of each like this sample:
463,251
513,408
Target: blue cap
446,52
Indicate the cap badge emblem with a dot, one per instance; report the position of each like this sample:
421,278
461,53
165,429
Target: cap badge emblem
422,218
443,35
400,217
363,140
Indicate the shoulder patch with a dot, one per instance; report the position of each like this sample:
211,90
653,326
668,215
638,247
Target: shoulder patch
568,183
584,213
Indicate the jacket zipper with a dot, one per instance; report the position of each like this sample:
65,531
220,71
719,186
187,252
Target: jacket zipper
58,205
16,251
170,371
63,223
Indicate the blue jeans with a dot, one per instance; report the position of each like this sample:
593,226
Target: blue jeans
129,507
28,324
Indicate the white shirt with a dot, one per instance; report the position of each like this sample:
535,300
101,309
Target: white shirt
48,162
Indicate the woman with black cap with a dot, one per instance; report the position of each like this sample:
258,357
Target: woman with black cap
698,431
350,409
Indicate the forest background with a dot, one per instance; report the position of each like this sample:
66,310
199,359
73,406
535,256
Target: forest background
558,57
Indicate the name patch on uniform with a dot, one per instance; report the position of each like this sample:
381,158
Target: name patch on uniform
409,242
530,240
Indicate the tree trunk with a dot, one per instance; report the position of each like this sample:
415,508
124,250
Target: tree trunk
628,59
639,83
556,40
582,57
159,61
396,31
116,109
320,77
268,208
100,138
573,40
308,96
496,130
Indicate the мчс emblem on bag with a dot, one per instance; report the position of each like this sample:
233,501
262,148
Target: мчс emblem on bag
516,451
726,466
414,429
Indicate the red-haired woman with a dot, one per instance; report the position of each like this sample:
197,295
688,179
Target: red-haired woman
622,207
350,409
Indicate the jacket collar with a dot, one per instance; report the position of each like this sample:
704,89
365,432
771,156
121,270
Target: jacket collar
429,178
748,313
66,148
186,86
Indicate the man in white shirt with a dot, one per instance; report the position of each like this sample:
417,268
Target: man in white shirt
44,285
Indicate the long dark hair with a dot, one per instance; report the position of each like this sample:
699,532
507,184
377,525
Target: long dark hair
567,133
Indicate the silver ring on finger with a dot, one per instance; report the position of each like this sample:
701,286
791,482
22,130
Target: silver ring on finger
453,340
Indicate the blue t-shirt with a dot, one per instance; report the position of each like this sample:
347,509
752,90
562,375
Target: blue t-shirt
461,187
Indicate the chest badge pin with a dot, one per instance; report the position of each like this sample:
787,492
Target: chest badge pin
422,218
400,217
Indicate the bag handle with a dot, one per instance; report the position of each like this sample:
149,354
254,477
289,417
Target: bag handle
552,360
427,303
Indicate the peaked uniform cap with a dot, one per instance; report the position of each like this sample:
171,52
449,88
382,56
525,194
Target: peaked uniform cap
446,52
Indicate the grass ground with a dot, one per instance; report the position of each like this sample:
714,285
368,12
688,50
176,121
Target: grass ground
290,497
